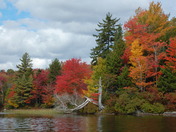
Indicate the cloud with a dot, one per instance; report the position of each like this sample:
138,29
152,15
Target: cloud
41,63
77,10
7,65
42,44
57,29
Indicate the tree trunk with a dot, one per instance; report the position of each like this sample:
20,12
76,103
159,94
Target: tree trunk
100,95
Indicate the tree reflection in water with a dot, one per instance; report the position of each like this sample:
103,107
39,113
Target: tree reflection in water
87,123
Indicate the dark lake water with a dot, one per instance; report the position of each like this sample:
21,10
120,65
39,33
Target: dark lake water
86,123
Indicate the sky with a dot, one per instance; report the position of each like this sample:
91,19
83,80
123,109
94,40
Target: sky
49,29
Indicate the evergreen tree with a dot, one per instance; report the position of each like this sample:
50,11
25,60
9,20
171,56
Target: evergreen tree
123,80
167,81
105,38
114,60
23,82
25,68
55,70
23,91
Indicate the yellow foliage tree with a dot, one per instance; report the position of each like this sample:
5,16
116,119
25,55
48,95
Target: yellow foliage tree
138,65
156,20
136,51
92,83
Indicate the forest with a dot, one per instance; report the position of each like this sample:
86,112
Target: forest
136,62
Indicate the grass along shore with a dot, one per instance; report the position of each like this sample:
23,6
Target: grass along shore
41,112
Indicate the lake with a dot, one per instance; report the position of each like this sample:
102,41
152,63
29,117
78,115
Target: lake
86,123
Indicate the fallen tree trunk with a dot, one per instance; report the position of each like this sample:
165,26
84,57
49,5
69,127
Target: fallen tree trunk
78,102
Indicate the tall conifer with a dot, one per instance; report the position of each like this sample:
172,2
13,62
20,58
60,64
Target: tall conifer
105,38
114,58
24,84
114,64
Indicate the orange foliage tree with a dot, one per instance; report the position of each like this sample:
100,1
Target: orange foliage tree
138,65
144,28
155,19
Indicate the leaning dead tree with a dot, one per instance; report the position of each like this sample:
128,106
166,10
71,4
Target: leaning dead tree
72,102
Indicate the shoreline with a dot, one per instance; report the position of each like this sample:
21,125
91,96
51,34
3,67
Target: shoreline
44,112
39,112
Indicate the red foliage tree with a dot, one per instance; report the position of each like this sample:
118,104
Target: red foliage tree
3,88
72,79
135,30
171,54
41,91
126,55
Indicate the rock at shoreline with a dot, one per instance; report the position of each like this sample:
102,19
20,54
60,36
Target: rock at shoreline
170,113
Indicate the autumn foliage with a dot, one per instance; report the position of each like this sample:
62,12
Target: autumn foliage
138,72
171,54
42,91
72,79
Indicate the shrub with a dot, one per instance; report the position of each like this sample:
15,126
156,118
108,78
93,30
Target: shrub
153,95
110,103
89,109
127,104
152,108
170,101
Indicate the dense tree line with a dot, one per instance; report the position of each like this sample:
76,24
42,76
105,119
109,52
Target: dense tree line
136,62
27,87
139,70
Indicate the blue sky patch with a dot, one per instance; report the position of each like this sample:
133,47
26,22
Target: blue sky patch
11,13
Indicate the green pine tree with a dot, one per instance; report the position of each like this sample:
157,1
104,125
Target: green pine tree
55,70
23,91
24,83
167,81
105,38
114,62
25,68
123,80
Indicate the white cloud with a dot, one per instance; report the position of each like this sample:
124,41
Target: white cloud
40,63
57,28
77,10
7,65
44,44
